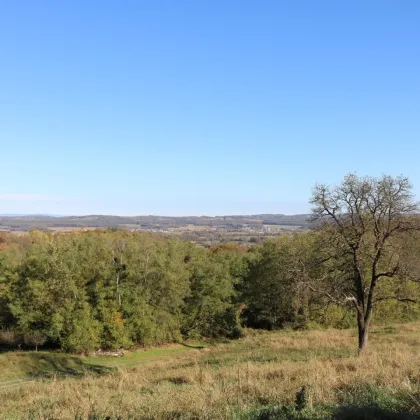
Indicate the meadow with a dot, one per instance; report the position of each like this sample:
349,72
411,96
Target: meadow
259,376
230,332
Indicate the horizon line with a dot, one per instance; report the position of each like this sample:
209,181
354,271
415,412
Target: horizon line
11,215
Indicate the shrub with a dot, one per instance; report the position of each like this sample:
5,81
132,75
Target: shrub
83,332
10,338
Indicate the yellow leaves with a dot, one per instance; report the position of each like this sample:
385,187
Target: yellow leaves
118,320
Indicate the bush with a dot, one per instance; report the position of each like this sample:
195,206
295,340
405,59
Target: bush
10,338
83,333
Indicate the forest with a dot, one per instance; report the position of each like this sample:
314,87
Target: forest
111,289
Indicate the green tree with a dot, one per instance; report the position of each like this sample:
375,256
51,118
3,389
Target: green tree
275,291
214,274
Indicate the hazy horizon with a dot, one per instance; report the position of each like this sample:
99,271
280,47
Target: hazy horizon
52,214
58,216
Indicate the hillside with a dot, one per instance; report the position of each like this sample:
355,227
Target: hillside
257,377
205,230
27,222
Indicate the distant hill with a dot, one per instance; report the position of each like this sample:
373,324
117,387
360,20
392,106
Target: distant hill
14,222
29,215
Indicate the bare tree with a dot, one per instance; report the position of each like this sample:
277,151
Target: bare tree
35,338
365,224
10,338
119,265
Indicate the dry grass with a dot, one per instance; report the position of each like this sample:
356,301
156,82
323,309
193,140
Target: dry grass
233,380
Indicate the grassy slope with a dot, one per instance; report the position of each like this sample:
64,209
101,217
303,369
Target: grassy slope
253,378
29,364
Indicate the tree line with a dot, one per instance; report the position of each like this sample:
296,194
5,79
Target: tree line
116,289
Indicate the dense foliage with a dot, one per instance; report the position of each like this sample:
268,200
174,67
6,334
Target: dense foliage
111,289
83,291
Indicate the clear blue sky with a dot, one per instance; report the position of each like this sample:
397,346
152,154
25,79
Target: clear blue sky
202,107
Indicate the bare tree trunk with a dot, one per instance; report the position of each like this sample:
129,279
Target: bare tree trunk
118,288
363,331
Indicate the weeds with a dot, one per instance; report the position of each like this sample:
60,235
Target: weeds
257,377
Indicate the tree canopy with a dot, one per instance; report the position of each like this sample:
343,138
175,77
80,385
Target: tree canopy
83,291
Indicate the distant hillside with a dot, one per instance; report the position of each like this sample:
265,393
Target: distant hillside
48,222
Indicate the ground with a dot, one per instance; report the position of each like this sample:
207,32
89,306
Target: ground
260,376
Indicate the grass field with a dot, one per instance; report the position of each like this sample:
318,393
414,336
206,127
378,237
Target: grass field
256,377
43,364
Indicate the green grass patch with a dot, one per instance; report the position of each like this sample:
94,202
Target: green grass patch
29,364
136,357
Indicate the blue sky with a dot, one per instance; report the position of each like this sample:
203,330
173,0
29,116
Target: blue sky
203,107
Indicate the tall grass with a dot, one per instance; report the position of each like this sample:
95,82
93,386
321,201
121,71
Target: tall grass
255,377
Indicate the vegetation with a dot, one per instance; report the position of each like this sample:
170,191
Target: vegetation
109,289
368,228
44,222
204,230
277,375
22,366
84,292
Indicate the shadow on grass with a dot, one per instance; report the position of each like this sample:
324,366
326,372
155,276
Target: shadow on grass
43,364
340,413
199,347
371,413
